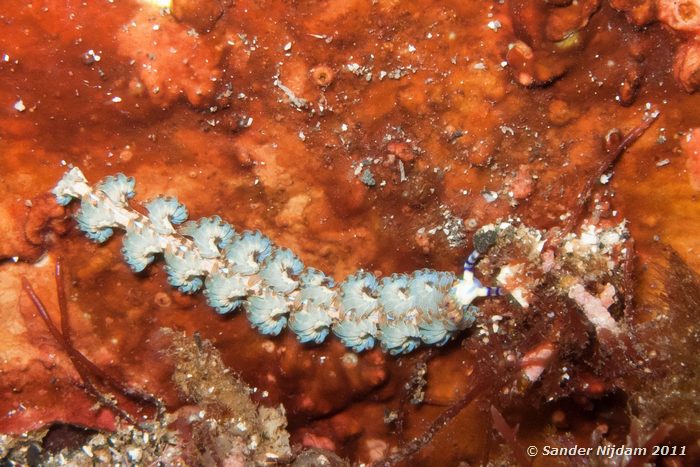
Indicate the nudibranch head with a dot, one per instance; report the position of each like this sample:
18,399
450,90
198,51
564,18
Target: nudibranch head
466,290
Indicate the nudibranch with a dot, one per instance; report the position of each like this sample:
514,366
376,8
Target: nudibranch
247,270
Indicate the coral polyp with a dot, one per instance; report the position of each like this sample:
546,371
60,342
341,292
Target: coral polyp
248,270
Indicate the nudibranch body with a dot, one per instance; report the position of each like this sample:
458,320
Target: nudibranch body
245,269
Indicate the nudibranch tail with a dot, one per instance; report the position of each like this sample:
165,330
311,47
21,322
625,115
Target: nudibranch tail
247,270
73,185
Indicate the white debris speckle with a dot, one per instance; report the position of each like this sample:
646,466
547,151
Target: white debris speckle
506,273
349,360
494,25
589,236
92,56
534,362
242,426
402,172
134,454
87,450
411,48
116,99
489,196
506,130
519,296
19,106
596,308
358,169
287,47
